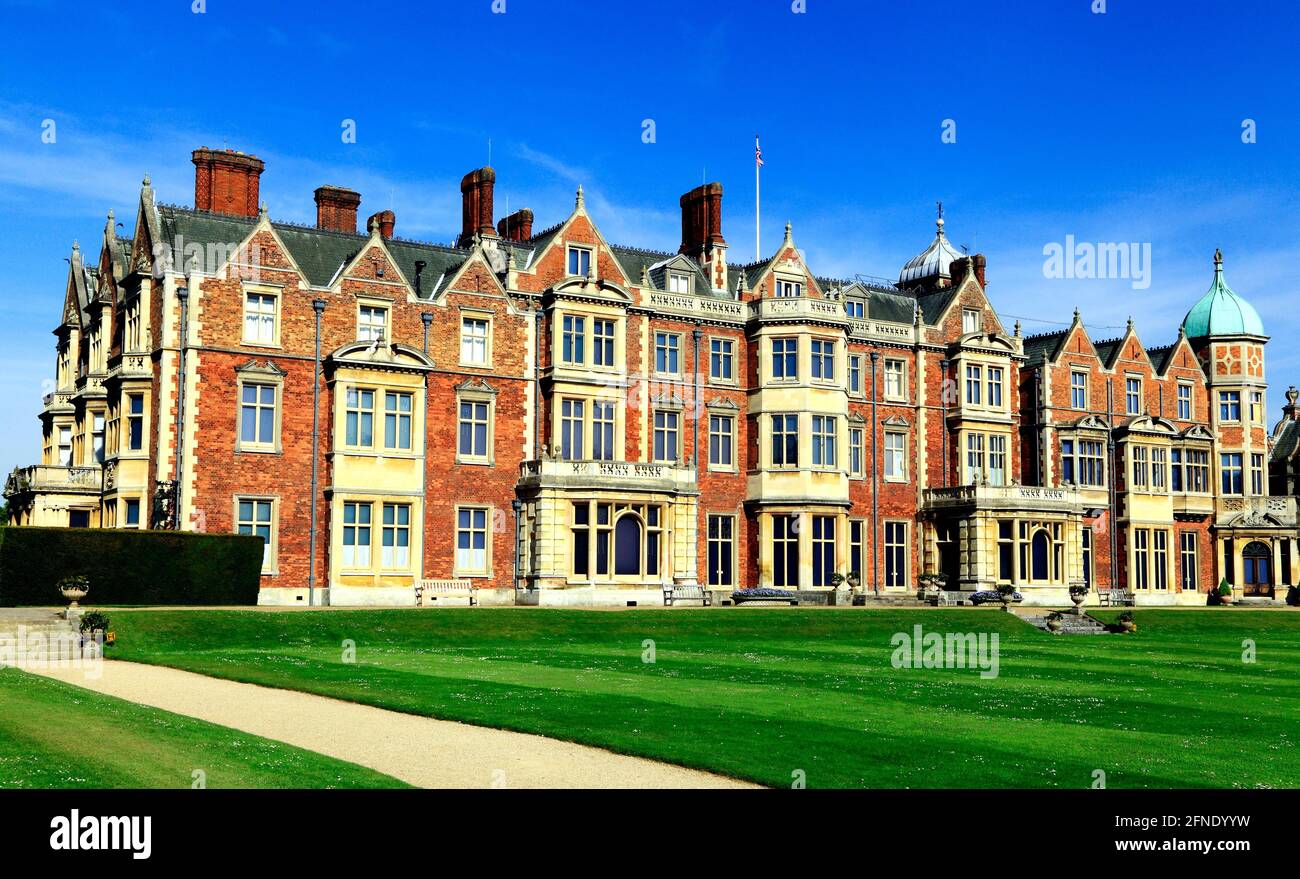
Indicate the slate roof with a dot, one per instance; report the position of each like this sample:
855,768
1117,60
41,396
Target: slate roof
1045,346
1285,444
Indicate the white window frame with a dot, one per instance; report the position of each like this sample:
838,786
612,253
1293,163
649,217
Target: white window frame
477,345
265,319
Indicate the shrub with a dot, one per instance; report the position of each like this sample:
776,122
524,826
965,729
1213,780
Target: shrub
1293,596
128,566
1225,588
1125,617
94,620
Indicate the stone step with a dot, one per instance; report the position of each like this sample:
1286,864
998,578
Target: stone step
1071,624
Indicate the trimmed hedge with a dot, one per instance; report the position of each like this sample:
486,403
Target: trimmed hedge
129,567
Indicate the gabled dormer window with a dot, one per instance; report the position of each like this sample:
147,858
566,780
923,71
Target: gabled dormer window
679,282
579,261
788,289
855,308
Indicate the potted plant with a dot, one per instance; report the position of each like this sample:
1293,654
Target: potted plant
854,580
837,580
1225,592
74,588
1126,622
1007,592
1078,594
1055,620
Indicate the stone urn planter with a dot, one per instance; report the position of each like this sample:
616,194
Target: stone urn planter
74,589
1078,596
1054,622
1126,623
1007,594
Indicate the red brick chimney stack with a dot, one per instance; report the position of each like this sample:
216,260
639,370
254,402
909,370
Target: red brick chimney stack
226,181
336,209
386,220
476,205
979,262
702,219
517,227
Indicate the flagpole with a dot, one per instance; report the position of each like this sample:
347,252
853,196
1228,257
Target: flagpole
757,164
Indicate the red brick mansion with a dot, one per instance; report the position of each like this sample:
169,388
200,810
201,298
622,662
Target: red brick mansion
565,420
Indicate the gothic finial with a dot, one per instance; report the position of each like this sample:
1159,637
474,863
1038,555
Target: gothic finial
1218,260
1017,329
145,182
645,276
261,211
788,234
1077,316
1130,323
580,202
939,222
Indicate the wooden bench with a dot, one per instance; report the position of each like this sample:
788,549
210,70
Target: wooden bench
427,592
683,592
1115,597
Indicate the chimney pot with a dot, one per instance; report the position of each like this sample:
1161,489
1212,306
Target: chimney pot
517,227
702,219
476,205
386,220
226,182
336,209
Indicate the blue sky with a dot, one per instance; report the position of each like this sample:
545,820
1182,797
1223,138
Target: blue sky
1118,127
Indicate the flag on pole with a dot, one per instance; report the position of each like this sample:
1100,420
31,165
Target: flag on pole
758,163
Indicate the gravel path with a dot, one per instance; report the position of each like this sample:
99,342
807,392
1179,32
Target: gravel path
418,750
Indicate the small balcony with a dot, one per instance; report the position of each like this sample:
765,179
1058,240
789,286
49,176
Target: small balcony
608,476
1006,497
798,309
43,478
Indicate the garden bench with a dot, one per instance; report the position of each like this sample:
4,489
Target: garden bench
687,592
427,592
1115,597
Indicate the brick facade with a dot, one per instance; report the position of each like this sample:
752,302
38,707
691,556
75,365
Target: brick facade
562,419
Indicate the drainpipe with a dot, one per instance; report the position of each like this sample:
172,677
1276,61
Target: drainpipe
537,387
183,294
318,305
517,507
1110,447
875,483
426,317
943,397
699,410
696,335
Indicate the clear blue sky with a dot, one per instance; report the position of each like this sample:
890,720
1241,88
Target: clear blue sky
1120,127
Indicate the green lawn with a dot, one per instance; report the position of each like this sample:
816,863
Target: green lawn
764,694
54,735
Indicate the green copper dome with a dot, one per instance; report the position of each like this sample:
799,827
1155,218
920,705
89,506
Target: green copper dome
1221,312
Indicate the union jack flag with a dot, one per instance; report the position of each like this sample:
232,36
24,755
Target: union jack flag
758,154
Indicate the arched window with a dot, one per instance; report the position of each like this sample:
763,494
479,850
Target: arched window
1041,549
627,545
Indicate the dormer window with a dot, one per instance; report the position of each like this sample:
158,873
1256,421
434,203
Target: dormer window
788,289
970,321
579,261
679,282
855,308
